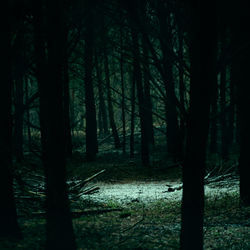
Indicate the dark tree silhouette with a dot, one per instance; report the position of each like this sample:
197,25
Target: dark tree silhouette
102,114
49,72
91,125
66,99
241,64
203,42
8,216
109,100
173,133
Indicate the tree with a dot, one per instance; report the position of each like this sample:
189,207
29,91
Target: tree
91,125
49,73
109,99
131,8
203,42
66,99
102,115
241,64
18,77
173,133
8,216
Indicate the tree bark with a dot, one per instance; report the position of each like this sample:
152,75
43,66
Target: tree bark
173,133
110,104
8,217
241,64
59,227
123,94
223,122
203,49
18,122
66,99
147,96
141,100
132,117
103,121
91,125
213,147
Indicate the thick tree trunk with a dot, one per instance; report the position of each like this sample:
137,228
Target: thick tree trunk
60,233
8,217
91,124
203,51
241,64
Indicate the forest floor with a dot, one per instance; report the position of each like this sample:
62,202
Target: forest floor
146,207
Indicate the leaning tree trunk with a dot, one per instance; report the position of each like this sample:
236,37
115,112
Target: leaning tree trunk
8,217
203,35
59,227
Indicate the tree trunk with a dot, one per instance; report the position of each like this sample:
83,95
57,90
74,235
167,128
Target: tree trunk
28,113
91,125
132,118
181,88
59,227
241,62
147,96
231,113
18,128
173,133
203,35
8,217
123,95
223,122
110,104
141,100
66,102
213,148
102,105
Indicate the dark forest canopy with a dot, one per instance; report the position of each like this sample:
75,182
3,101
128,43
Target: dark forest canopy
140,77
